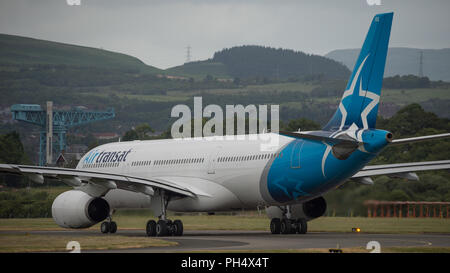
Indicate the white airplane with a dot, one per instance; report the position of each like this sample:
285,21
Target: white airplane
209,175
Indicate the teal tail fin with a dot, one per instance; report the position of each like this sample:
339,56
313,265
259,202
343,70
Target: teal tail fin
359,103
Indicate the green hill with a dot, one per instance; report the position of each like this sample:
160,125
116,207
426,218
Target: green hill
247,62
200,69
17,50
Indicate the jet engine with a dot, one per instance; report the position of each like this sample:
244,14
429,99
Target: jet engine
76,209
314,208
308,210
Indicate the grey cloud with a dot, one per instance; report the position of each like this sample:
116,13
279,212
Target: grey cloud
157,32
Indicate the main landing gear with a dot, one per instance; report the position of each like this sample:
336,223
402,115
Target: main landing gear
109,226
164,226
286,225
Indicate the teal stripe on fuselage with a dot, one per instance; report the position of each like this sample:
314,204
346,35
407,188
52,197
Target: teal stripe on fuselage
287,183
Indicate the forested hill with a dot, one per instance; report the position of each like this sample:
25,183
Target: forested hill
23,51
246,62
252,61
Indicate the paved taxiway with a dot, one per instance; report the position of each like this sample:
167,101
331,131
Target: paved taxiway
259,240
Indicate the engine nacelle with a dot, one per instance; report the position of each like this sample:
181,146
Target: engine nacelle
76,209
309,210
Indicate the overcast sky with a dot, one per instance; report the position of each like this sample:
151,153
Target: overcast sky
158,32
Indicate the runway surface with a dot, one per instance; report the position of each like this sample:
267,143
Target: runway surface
220,240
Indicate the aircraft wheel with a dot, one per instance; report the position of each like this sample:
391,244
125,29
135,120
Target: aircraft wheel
162,228
112,227
285,227
151,228
177,228
105,227
302,226
275,226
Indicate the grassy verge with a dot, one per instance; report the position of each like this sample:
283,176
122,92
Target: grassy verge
323,224
256,222
34,243
381,225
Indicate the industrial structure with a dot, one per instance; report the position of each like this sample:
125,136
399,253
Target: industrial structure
376,208
188,54
54,125
421,64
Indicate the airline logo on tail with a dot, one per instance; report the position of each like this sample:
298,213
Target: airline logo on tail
359,104
345,105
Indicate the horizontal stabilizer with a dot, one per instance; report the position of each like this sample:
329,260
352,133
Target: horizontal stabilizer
328,140
417,139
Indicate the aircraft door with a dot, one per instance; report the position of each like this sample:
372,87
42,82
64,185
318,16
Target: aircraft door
212,160
296,153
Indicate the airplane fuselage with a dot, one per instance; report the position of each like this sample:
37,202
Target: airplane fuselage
230,174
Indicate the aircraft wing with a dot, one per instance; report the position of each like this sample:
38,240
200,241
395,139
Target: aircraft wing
97,183
403,170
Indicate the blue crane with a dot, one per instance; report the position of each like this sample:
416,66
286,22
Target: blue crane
61,122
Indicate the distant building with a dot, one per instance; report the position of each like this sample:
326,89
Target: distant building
171,77
224,80
61,161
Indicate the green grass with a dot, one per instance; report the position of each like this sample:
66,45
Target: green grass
202,222
34,243
183,96
397,96
323,224
180,97
255,222
381,225
402,96
23,50
408,96
266,88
